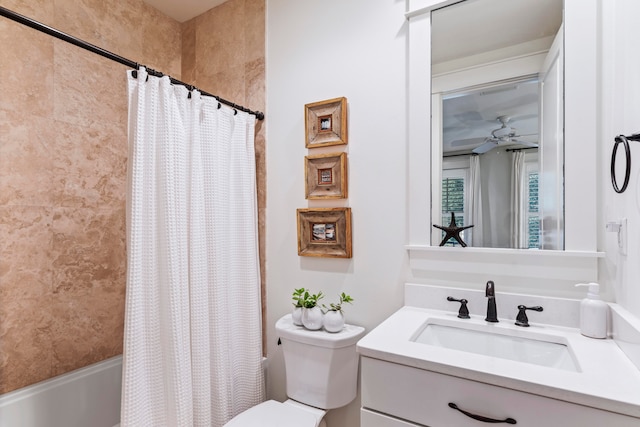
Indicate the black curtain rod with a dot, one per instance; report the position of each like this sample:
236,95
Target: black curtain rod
112,56
459,155
508,150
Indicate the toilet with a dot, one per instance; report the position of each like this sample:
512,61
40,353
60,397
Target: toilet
322,374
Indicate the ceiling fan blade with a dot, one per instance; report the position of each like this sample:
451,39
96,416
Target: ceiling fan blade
485,147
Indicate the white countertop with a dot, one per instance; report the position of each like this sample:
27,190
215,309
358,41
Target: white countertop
608,380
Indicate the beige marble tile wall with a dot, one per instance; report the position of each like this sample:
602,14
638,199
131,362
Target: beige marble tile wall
223,52
63,153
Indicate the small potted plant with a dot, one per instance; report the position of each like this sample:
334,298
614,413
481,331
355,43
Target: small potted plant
298,299
311,313
334,317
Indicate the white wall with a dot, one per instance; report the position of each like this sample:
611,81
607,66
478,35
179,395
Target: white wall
620,113
316,51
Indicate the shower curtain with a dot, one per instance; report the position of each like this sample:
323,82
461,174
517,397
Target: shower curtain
192,339
518,201
475,202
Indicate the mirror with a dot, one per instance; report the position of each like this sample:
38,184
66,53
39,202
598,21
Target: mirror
497,122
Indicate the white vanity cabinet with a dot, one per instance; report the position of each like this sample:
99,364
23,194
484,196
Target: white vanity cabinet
395,395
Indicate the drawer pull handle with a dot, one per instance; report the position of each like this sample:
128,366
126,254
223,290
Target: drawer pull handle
481,418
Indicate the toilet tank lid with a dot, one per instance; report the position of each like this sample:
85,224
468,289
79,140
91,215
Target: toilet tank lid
348,336
273,414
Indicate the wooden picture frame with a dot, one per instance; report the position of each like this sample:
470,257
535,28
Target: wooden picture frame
325,176
325,123
324,232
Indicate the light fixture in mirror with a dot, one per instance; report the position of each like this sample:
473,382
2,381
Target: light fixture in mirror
497,125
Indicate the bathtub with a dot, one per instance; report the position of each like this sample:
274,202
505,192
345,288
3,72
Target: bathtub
87,397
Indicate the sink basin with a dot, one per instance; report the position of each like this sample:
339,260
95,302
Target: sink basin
537,349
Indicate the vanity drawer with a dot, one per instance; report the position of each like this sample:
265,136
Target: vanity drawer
423,397
373,419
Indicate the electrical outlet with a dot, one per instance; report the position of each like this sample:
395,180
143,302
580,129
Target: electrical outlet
622,237
620,228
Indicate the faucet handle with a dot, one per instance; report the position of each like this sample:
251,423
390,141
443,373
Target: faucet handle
463,313
521,318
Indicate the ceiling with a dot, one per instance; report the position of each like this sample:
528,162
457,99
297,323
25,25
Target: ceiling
183,10
474,26
469,118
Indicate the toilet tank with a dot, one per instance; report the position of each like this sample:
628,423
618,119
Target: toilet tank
321,367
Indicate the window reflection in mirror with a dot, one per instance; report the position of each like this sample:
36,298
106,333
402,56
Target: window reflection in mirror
497,122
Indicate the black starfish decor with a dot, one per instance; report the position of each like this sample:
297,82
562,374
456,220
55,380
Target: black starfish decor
452,231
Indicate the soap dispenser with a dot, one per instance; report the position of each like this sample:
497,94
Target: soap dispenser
593,313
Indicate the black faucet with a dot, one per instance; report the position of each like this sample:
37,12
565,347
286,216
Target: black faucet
490,293
463,312
521,318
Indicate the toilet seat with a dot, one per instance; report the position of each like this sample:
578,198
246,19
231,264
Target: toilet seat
273,414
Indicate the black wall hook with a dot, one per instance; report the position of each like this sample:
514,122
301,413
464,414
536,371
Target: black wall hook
624,140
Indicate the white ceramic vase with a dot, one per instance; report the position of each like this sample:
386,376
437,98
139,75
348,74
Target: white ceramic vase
296,316
312,318
333,321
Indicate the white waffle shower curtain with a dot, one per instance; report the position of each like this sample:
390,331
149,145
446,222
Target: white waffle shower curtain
192,339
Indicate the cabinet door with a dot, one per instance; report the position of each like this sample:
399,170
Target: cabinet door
423,397
373,419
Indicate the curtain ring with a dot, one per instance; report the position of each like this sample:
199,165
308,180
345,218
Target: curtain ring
621,139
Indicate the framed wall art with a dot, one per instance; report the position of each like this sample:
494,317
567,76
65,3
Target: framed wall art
325,176
324,232
326,123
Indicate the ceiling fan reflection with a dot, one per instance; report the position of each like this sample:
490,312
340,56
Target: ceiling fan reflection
504,135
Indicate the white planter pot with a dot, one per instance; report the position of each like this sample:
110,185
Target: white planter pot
296,316
333,321
312,318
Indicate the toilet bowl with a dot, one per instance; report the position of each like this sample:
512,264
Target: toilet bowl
322,373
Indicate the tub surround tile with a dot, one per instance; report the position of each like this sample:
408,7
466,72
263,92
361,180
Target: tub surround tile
88,89
91,161
27,177
188,30
261,172
254,29
161,43
78,267
26,342
27,69
25,252
113,25
40,10
220,38
229,85
93,191
254,84
88,328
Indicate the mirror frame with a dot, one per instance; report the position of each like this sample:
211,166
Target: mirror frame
581,165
